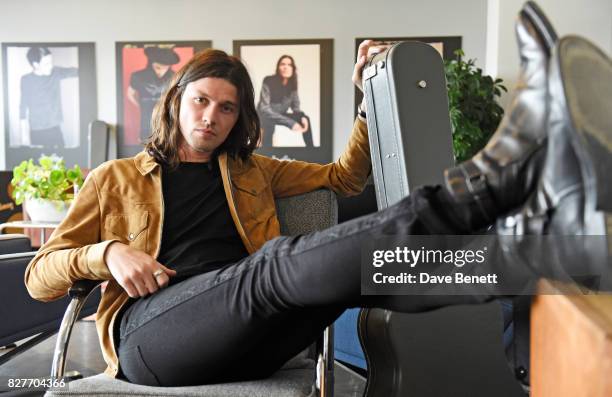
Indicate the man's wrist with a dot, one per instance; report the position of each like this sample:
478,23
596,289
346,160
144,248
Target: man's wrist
361,110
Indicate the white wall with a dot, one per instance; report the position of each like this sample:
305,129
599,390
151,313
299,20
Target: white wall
591,19
107,21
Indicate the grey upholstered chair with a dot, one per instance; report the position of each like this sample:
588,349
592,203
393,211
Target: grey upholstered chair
308,374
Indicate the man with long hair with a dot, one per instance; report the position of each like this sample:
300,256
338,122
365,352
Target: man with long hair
202,288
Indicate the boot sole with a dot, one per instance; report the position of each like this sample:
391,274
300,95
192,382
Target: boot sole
584,74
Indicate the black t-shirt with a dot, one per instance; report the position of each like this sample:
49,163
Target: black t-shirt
198,234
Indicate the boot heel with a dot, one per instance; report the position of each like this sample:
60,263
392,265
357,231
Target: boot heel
585,73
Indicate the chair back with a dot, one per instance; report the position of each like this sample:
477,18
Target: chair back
308,212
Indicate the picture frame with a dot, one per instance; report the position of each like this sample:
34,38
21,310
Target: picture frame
144,69
50,97
290,74
446,46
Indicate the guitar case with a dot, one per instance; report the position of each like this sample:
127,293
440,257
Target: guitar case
454,351
408,120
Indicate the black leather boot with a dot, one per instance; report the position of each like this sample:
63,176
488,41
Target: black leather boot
500,176
573,199
574,193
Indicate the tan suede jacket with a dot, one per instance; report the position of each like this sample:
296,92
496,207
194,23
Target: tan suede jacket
122,201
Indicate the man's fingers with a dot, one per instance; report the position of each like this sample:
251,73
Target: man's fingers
162,280
141,288
167,270
132,292
363,48
150,283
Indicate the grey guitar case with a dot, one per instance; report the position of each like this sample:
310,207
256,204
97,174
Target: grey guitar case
455,351
407,109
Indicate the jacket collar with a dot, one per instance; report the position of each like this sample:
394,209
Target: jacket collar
145,163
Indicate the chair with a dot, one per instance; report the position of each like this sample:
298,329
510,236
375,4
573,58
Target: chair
102,143
297,215
12,243
347,348
23,317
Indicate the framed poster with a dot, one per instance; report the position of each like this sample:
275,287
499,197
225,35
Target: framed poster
49,100
293,94
143,72
446,46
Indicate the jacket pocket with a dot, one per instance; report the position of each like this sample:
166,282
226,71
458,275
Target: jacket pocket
251,182
130,229
253,198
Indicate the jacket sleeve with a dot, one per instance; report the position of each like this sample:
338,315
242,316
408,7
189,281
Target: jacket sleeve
73,252
346,176
266,109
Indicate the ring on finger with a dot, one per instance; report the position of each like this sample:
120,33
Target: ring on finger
158,272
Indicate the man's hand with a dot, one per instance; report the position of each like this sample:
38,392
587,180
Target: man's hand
366,50
134,270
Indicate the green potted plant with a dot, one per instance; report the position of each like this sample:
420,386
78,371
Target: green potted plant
47,188
474,110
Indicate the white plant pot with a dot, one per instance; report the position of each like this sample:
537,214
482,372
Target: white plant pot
43,210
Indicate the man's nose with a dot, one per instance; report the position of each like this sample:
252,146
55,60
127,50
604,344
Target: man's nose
210,113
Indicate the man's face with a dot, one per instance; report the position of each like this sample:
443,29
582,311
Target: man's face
209,110
160,69
45,66
285,68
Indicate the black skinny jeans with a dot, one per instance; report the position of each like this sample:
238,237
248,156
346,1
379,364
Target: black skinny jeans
246,320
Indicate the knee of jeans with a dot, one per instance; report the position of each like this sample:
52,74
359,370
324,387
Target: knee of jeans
277,246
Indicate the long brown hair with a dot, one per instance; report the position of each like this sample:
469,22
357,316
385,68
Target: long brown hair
163,144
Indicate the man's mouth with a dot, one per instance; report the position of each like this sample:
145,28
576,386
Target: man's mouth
205,131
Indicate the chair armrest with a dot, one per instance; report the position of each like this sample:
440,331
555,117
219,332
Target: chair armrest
79,293
325,363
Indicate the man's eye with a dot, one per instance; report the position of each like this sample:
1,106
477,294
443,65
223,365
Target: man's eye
199,99
228,109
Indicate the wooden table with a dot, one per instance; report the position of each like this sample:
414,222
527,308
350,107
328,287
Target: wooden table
571,342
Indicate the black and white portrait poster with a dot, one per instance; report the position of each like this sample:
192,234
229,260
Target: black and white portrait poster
49,100
292,82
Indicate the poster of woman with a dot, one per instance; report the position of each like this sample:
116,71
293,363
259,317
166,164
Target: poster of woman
292,82
143,72
279,104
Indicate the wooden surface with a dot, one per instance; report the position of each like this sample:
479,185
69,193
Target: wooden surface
571,343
